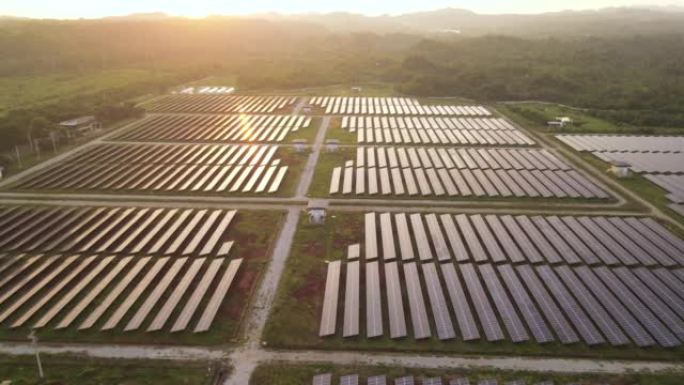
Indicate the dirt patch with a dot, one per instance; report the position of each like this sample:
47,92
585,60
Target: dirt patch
314,285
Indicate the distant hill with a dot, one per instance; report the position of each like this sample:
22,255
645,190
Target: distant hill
609,21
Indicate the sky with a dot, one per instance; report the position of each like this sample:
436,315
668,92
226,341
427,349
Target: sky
72,9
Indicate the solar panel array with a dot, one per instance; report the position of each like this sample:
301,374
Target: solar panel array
220,103
353,379
410,171
120,230
596,280
655,156
390,106
164,168
108,291
435,130
623,143
647,162
214,128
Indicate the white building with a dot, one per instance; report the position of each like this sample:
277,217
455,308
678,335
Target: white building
620,169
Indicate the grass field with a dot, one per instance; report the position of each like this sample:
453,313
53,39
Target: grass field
536,114
287,374
87,371
30,91
295,319
253,233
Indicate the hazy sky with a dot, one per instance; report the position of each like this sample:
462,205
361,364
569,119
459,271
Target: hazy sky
198,8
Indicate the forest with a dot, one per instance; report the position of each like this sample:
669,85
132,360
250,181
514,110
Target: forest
54,70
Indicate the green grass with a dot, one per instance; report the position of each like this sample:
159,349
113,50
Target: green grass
253,231
295,318
308,133
288,374
30,91
534,113
88,371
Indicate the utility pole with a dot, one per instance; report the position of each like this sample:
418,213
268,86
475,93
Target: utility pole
34,343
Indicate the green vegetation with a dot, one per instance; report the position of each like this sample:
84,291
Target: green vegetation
253,231
89,371
288,374
295,318
584,121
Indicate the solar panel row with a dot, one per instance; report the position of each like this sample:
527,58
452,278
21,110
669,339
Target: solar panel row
164,168
214,128
442,137
46,288
594,305
390,106
352,123
570,240
220,103
114,230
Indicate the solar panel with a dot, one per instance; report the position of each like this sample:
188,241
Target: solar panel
571,308
489,381
640,311
569,237
559,324
652,301
35,287
350,379
217,297
483,308
421,325
643,241
454,237
596,247
525,304
351,300
408,380
459,381
512,250
424,251
388,250
394,301
521,239
635,251
437,237
432,381
620,252
54,289
440,311
661,289
175,296
405,244
471,239
68,297
655,238
322,379
464,315
510,318
538,239
490,243
564,250
640,337
371,237
373,301
377,380
330,298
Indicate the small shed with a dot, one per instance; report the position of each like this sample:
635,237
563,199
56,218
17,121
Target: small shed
299,145
81,124
560,122
620,169
356,90
331,145
317,210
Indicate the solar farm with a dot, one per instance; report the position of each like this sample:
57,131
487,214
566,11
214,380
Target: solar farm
372,225
660,159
